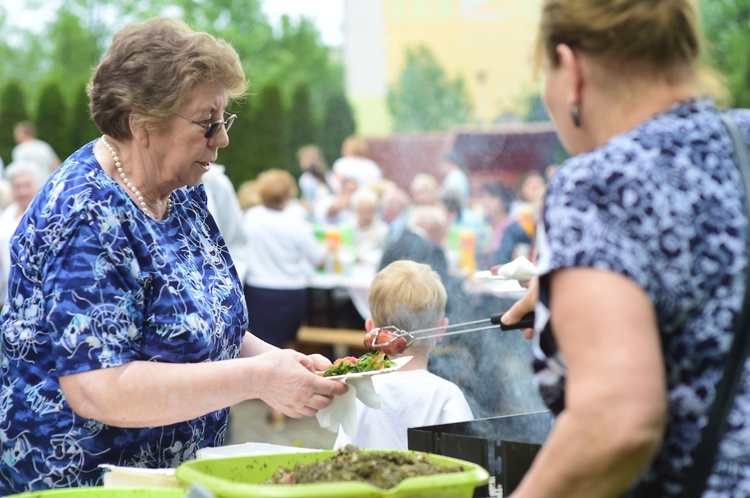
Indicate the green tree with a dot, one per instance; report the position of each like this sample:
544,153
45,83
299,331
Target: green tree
12,111
236,157
293,55
298,57
267,141
52,119
727,30
424,98
82,128
73,42
338,123
24,58
536,109
301,122
63,50
74,51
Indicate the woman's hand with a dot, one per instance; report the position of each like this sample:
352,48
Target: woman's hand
522,306
287,382
320,362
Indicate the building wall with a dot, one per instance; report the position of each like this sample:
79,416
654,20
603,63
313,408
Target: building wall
487,42
366,65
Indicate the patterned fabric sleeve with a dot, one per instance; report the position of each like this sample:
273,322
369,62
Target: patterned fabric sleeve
94,299
593,227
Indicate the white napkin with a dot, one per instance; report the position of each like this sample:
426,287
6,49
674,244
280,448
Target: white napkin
519,269
343,411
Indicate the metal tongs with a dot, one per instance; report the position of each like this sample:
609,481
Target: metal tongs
527,321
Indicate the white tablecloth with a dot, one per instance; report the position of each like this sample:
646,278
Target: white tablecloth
356,281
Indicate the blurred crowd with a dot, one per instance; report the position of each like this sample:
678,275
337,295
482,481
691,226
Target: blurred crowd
339,218
365,213
33,161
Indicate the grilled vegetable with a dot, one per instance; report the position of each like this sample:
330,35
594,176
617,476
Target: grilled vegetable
373,360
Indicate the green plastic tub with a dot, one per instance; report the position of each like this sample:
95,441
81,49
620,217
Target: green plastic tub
102,492
240,477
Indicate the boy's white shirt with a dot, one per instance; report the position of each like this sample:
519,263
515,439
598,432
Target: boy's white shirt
410,398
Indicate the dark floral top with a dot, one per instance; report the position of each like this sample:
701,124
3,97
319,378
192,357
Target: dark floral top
96,284
663,205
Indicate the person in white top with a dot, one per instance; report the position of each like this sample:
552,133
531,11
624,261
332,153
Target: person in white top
455,180
24,183
335,209
355,165
410,296
316,180
281,253
225,208
369,229
30,148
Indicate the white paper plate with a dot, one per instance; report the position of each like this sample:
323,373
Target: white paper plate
400,362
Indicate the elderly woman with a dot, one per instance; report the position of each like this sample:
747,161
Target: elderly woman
125,341
369,230
641,257
24,180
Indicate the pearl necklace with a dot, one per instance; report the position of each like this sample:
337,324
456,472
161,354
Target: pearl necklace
129,184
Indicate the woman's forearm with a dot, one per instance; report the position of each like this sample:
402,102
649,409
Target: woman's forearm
615,393
146,394
585,457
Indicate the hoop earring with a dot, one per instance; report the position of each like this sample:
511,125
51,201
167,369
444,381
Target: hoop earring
575,116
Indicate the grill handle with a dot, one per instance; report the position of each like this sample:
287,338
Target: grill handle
526,322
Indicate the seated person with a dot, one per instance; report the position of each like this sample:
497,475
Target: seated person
370,232
335,208
462,219
424,190
395,208
496,200
409,296
316,180
518,237
423,241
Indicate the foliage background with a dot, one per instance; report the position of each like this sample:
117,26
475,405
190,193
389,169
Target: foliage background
292,74
296,93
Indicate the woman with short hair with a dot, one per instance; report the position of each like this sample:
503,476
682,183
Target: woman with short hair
125,339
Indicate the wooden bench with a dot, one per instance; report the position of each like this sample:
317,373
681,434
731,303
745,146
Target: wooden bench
341,340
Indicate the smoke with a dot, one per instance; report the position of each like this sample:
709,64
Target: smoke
492,367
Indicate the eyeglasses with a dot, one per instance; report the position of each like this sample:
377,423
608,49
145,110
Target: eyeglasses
213,128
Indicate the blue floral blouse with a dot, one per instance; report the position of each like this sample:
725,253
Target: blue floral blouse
663,205
95,284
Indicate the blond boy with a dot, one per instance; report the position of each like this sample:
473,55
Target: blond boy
410,296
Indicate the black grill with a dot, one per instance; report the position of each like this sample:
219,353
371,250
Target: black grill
505,446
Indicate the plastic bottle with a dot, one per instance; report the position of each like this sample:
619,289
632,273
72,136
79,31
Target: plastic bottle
333,241
467,261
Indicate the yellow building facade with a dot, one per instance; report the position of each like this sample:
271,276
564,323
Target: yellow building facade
488,43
